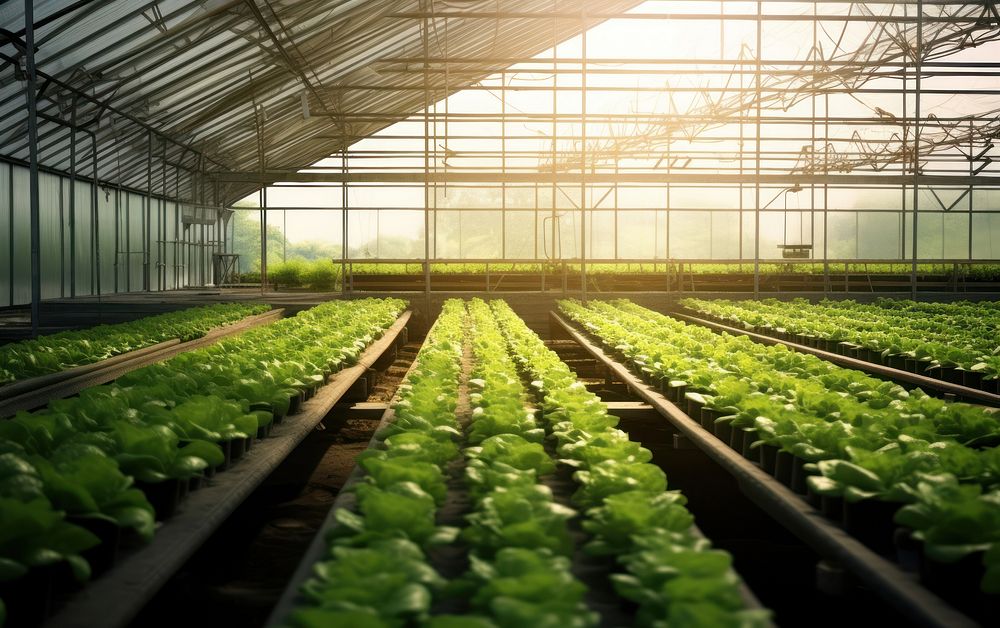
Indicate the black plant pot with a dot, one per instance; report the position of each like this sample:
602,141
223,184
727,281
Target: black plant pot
783,462
799,476
767,456
909,551
294,404
956,582
972,379
736,439
953,375
264,430
708,417
227,452
871,522
749,438
164,496
101,557
832,507
723,430
692,408
261,405
237,447
676,393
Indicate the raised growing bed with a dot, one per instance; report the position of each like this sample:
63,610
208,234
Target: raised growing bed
448,558
113,600
35,392
900,375
772,490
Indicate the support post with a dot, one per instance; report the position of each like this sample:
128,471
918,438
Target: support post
30,90
427,156
917,54
583,155
756,214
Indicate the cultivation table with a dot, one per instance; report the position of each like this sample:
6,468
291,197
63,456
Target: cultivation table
35,392
885,579
113,600
906,377
318,550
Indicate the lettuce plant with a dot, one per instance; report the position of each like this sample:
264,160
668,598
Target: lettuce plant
529,587
521,516
954,520
388,578
682,584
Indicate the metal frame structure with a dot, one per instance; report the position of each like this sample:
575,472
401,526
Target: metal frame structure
179,109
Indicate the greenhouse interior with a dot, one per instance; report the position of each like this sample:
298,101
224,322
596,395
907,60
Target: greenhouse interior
499,313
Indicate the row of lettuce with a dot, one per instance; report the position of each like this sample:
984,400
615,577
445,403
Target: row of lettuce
488,449
937,336
56,352
972,271
119,456
931,464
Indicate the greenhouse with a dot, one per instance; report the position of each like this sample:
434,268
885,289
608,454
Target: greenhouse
499,313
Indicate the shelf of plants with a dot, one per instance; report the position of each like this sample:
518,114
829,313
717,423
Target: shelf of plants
471,509
57,352
910,379
88,481
910,476
623,276
953,342
63,364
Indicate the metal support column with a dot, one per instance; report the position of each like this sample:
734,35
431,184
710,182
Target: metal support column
427,155
33,191
756,214
917,54
583,154
345,202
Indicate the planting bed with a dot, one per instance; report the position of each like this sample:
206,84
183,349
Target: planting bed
35,392
858,449
178,430
953,342
907,378
481,537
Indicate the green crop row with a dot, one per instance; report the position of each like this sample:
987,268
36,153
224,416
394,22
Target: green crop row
938,336
375,572
56,352
976,271
77,466
861,440
668,570
380,569
320,274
